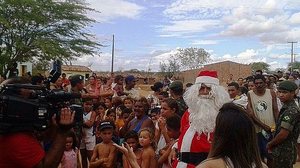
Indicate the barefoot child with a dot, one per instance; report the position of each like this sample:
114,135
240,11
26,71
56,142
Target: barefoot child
132,139
146,140
104,153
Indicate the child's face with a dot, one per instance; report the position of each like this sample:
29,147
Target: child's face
106,135
101,110
69,143
128,104
251,85
112,117
125,116
87,106
172,133
108,103
166,111
144,138
132,143
154,116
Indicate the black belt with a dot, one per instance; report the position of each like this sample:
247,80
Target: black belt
192,157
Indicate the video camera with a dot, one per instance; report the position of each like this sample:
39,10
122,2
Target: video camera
18,114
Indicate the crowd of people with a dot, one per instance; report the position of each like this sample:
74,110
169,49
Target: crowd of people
253,122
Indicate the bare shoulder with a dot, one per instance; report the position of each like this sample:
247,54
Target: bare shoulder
148,152
212,163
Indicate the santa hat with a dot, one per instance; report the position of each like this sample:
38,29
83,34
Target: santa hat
208,77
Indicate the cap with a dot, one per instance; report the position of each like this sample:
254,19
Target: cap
76,79
130,78
209,77
176,85
287,85
104,125
157,86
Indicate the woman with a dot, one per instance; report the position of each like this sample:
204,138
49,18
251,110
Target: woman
235,142
140,120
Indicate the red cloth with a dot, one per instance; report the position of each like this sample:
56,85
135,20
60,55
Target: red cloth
20,150
191,141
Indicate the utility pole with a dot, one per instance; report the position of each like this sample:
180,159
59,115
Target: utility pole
112,54
292,51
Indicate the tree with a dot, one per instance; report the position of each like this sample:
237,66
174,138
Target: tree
171,67
259,66
293,66
192,58
43,30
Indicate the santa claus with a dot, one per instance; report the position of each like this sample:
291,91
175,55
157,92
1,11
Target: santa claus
204,99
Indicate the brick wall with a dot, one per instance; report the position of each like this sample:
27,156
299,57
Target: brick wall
223,68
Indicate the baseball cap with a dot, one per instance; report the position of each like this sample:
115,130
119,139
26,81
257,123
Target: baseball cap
130,78
176,85
105,124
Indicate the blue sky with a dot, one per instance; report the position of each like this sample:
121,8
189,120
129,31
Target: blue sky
147,32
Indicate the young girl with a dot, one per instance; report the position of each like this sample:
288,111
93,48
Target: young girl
70,157
128,102
132,139
146,140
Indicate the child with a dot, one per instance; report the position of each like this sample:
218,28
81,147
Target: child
70,157
128,102
173,131
104,153
88,140
122,114
100,109
146,140
132,139
111,115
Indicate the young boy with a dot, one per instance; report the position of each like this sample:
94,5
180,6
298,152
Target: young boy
173,130
104,154
287,127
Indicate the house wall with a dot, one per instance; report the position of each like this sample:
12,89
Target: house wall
223,68
24,67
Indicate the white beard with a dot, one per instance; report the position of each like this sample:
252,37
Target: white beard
204,109
203,115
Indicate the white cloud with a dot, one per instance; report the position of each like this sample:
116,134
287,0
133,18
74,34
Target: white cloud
187,26
269,21
295,18
111,9
204,42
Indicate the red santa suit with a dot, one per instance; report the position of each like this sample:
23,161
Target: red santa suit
193,147
190,141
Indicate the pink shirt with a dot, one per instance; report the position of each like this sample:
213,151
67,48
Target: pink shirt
69,159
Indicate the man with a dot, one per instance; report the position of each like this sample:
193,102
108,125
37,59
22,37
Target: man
129,87
236,96
22,149
204,99
283,146
176,92
263,109
153,98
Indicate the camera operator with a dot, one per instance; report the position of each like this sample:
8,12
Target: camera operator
22,149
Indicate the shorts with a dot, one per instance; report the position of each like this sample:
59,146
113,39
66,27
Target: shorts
88,143
262,146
